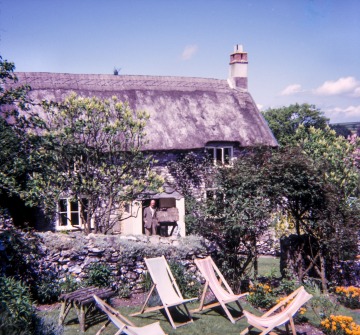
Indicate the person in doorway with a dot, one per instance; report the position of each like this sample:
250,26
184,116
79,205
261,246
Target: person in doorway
150,219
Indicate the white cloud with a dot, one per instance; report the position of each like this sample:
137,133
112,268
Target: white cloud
189,51
356,93
338,114
340,86
291,89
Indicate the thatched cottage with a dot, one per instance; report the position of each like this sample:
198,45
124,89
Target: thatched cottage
186,114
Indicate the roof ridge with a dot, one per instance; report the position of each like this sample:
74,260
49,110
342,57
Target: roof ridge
63,80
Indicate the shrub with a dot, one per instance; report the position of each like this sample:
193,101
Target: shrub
99,275
16,309
69,284
189,286
322,305
287,286
340,325
261,295
348,296
124,291
48,291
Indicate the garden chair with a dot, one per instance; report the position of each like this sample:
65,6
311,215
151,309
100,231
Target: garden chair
289,306
219,287
125,326
167,289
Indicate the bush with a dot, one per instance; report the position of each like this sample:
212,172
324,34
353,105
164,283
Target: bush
99,275
340,325
48,291
348,296
16,311
322,305
69,284
189,286
261,295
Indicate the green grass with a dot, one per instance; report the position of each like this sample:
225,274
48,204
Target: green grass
269,265
209,322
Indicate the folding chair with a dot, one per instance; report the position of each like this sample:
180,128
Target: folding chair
125,325
167,289
219,287
268,322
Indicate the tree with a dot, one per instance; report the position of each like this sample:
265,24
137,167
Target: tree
238,212
284,121
14,143
91,150
314,183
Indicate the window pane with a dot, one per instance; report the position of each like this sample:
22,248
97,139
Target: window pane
62,205
75,219
227,155
74,206
219,158
63,219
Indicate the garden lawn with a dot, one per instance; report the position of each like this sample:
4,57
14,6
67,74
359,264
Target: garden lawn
212,321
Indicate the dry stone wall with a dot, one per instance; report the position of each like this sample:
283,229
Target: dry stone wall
72,254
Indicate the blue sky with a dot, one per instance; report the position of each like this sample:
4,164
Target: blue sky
299,50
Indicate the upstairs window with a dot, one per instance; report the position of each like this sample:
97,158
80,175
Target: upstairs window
221,155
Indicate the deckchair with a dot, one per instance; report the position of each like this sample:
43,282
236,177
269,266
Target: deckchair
125,325
290,305
219,287
167,289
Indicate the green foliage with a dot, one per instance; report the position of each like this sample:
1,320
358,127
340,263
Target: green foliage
92,148
99,275
284,121
311,183
261,295
146,281
48,291
322,304
15,143
188,285
348,296
238,214
21,259
190,171
16,309
124,291
332,155
69,284
287,285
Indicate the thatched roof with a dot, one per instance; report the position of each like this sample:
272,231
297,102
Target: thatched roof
185,113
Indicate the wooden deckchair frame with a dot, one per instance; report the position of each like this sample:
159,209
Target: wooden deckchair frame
126,323
290,299
164,305
222,283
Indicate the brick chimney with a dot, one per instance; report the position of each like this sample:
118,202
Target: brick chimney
238,69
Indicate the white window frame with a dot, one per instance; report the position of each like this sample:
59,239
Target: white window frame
69,225
216,149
